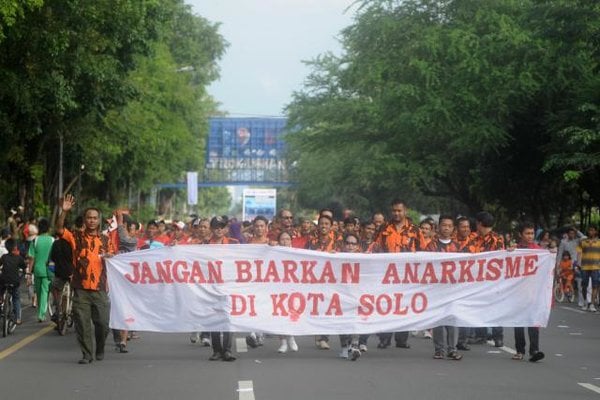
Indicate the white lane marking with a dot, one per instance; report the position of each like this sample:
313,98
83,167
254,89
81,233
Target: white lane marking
575,333
508,350
591,387
558,355
574,310
240,345
562,326
503,348
245,390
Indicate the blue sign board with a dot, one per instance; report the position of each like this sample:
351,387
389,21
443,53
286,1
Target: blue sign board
246,149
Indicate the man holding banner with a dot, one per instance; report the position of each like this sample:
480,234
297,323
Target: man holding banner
220,341
399,236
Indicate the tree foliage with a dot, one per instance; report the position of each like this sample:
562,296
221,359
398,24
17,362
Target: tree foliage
456,105
103,76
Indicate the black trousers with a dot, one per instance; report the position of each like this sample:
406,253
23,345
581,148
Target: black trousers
401,338
534,340
219,346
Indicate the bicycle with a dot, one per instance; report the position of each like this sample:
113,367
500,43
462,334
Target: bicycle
65,310
8,317
563,290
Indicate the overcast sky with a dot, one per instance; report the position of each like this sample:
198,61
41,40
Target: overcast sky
268,39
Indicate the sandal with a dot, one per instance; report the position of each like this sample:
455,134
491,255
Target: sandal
517,356
455,356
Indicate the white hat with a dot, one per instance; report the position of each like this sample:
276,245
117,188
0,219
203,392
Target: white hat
33,232
179,224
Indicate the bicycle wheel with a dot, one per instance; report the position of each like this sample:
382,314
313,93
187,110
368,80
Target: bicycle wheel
570,296
65,303
559,295
6,305
70,307
12,317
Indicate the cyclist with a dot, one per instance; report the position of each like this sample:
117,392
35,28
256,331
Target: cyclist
12,265
566,273
62,256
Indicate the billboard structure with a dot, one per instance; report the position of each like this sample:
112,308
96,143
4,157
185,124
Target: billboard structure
246,151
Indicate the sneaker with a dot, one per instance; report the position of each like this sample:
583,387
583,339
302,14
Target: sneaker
260,339
194,337
583,306
463,347
453,355
344,353
122,348
592,308
354,354
323,345
215,356
427,334
284,346
251,341
438,355
537,357
206,342
363,348
227,356
292,343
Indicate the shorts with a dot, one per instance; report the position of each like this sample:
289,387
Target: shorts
58,283
593,274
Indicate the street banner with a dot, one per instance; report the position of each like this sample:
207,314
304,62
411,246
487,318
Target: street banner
192,188
280,290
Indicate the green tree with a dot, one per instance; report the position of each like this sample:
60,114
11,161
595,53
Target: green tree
102,76
452,104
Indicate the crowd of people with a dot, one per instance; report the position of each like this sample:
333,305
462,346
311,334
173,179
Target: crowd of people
75,253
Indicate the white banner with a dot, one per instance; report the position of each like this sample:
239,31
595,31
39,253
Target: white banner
242,288
192,188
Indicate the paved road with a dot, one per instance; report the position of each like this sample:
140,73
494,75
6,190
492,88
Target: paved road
36,362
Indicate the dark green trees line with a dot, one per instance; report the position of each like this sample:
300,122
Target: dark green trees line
456,106
123,83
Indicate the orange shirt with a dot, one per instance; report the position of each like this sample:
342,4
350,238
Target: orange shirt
463,245
90,271
404,240
489,242
329,244
566,268
436,245
225,240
